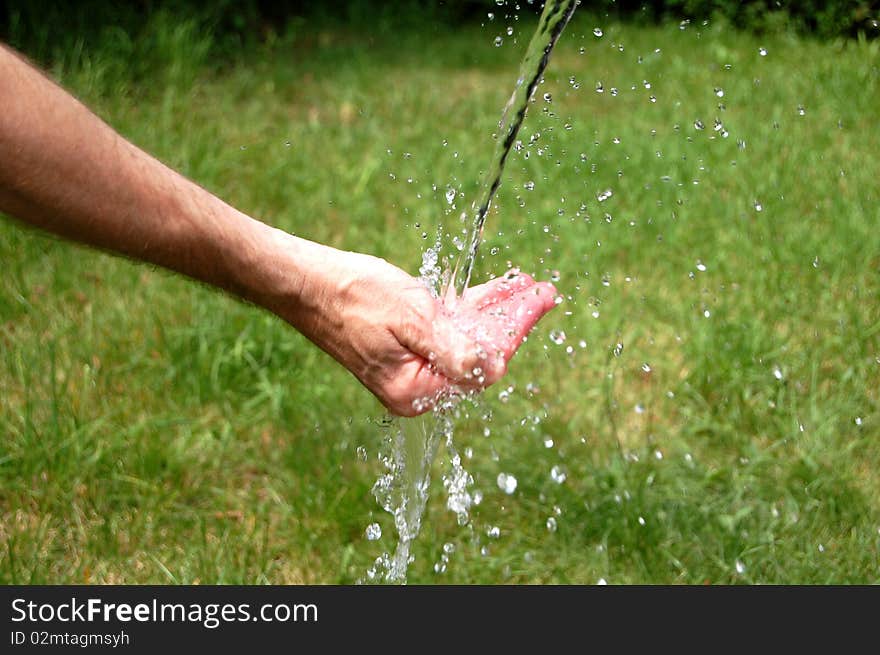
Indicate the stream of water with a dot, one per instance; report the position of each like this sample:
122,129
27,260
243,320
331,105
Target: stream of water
412,444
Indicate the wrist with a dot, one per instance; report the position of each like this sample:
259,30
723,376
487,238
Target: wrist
282,273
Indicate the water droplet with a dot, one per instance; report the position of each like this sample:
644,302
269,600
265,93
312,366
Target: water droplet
498,41
617,350
762,51
701,266
707,313
362,453
858,420
507,483
698,124
551,524
777,372
639,408
599,87
557,337
604,195
801,110
646,367
719,92
601,582
547,98
529,186
821,548
555,275
509,31
641,520
558,474
548,442
373,532
740,567
758,206
494,532
597,32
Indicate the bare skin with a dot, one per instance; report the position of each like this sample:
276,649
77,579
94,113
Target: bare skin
65,171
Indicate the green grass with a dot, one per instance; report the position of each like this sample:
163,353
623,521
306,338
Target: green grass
156,431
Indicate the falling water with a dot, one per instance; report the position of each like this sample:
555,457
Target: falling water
553,20
412,443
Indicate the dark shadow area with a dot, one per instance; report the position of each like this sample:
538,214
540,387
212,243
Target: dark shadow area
43,28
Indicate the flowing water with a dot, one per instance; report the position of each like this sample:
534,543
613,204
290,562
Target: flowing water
411,444
553,20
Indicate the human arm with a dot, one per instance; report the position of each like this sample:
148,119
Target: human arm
64,170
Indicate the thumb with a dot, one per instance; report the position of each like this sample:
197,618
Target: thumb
450,350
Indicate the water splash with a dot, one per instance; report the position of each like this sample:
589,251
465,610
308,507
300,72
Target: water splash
412,444
402,490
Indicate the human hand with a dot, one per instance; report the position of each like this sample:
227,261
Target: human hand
85,182
404,345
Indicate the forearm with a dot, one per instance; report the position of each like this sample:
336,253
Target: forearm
66,171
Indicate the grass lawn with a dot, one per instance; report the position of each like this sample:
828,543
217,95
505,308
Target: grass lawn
713,408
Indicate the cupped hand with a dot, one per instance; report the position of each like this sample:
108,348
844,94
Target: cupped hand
408,347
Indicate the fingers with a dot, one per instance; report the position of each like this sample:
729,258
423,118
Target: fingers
457,355
524,309
497,289
415,391
470,344
498,315
433,333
